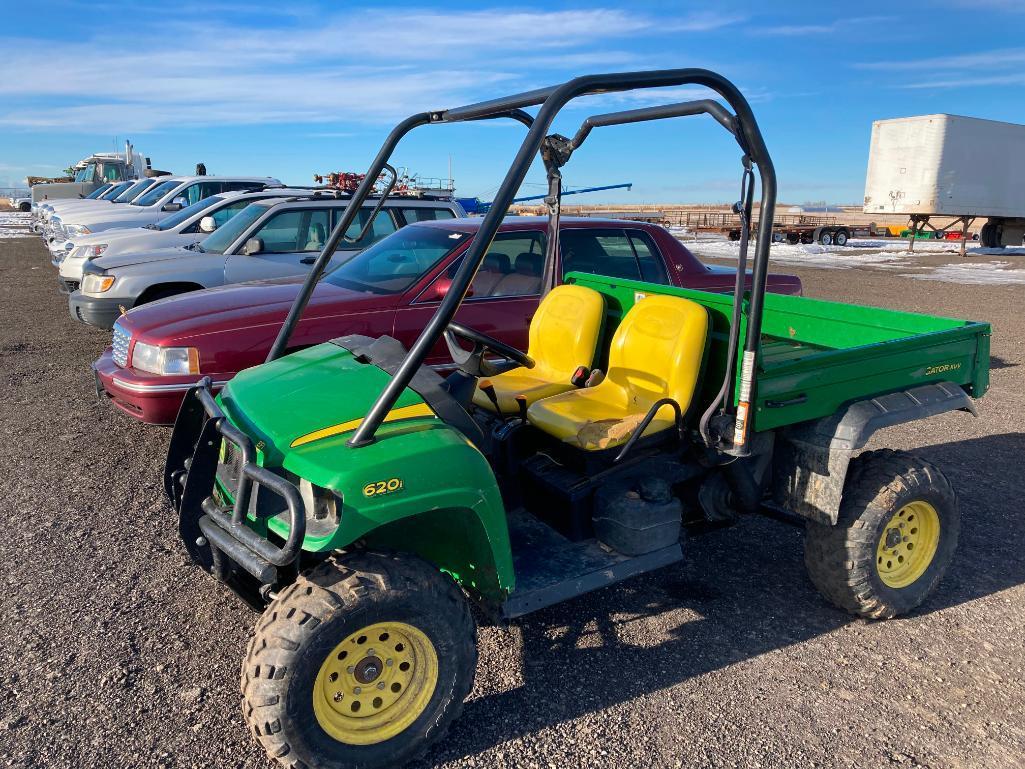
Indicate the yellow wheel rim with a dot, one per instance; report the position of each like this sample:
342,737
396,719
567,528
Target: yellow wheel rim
907,545
375,683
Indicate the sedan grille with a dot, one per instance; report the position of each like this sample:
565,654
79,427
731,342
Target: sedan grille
120,345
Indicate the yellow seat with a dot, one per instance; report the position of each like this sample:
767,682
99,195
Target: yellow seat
656,353
563,336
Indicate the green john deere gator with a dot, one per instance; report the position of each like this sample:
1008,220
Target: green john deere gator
363,502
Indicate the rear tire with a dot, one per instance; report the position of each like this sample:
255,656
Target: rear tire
826,238
989,236
892,503
363,662
24,207
841,237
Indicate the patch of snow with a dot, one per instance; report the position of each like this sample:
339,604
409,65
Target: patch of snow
895,244
812,255
976,273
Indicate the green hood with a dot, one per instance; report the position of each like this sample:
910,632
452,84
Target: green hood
291,400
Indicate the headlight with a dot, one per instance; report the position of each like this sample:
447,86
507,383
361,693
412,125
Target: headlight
74,230
90,252
97,284
168,361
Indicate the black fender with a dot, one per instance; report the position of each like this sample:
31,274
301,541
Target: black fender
811,459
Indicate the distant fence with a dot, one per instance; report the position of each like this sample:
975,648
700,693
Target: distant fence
14,192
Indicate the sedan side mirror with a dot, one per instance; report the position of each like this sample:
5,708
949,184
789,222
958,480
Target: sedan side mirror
207,224
171,207
253,246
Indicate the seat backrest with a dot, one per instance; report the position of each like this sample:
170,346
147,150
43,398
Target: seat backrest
525,279
657,350
564,331
492,270
315,238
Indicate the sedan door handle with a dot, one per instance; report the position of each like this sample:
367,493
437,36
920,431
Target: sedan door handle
308,260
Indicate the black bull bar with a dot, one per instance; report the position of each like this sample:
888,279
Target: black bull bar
216,536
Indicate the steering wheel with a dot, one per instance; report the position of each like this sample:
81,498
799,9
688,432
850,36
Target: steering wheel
473,362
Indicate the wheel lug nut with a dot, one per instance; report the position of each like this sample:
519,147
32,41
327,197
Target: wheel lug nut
388,663
381,685
357,690
370,652
349,669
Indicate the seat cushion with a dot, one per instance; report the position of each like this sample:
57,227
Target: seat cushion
655,353
512,383
590,419
563,335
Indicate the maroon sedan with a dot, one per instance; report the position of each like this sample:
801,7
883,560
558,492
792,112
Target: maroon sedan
391,288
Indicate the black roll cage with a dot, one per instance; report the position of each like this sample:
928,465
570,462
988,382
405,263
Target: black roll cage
551,100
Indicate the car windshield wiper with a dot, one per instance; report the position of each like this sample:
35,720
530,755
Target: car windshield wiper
151,227
195,247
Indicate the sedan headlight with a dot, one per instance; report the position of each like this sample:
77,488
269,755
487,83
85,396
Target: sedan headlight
74,230
168,361
97,284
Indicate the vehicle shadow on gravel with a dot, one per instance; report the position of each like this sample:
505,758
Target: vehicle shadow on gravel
738,594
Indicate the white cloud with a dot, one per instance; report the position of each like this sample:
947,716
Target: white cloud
801,30
997,59
361,66
984,68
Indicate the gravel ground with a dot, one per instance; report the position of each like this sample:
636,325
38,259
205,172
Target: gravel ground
115,652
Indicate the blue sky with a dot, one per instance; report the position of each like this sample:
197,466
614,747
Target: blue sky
289,89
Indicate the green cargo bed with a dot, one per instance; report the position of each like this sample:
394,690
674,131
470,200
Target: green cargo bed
817,356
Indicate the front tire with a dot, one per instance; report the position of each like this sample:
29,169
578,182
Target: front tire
363,662
894,538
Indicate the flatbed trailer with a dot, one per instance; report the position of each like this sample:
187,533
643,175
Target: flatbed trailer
792,228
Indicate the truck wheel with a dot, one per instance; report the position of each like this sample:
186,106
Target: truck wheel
893,540
24,207
807,239
990,236
841,237
362,662
826,238
793,238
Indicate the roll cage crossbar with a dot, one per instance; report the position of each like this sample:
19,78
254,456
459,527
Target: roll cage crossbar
550,101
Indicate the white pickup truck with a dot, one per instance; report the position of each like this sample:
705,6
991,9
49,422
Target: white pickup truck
120,192
168,195
181,229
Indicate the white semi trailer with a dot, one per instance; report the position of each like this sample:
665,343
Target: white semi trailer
950,166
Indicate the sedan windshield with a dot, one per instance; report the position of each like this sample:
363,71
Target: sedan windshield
155,193
134,191
219,240
188,212
395,263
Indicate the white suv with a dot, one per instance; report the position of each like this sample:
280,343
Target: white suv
164,197
188,226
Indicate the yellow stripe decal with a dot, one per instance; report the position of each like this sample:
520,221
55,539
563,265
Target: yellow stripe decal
406,412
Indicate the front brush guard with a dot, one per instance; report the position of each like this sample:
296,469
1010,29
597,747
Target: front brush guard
217,537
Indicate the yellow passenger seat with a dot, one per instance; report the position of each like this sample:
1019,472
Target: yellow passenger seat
656,353
563,336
